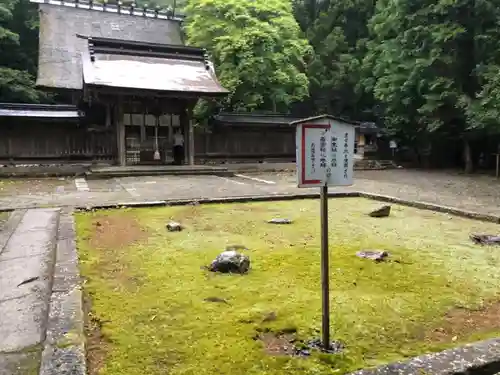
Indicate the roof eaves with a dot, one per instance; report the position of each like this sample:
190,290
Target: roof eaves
41,114
330,117
144,49
38,107
254,118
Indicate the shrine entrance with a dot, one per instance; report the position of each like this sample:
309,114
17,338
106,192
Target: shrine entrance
149,132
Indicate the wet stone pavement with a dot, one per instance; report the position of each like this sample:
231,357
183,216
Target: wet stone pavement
27,245
476,193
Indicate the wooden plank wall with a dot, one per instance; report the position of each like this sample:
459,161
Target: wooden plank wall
245,142
55,141
70,142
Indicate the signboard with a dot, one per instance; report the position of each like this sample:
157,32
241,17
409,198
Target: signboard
325,157
325,153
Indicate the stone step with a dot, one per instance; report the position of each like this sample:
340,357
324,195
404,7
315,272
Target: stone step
142,170
367,164
26,268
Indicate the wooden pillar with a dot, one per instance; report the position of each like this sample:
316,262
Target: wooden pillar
190,139
361,146
184,126
120,132
108,115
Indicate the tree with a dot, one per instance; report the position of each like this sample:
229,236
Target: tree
337,30
256,49
18,43
422,65
483,109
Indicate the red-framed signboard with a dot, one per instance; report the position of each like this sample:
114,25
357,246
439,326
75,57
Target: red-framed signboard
325,152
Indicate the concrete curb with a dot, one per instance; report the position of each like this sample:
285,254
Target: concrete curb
480,358
432,207
289,197
64,347
44,171
240,199
118,174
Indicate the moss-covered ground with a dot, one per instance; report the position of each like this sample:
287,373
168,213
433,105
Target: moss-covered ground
148,290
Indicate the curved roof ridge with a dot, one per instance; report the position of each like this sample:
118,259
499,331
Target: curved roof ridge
130,10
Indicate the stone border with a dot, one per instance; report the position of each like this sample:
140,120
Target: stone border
194,201
64,347
288,197
44,171
481,358
432,207
60,169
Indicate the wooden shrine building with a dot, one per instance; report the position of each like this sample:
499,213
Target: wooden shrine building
129,71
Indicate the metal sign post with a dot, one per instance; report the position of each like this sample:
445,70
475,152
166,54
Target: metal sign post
325,266
325,149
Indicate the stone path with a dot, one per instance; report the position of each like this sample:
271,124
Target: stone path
27,249
477,193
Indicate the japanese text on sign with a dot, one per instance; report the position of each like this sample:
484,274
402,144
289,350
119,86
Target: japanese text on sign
313,157
346,155
324,154
333,152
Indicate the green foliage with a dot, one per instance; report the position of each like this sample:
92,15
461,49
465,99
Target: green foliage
256,48
17,86
484,112
18,43
337,30
422,64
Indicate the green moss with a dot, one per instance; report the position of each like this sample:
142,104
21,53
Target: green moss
150,295
69,339
23,362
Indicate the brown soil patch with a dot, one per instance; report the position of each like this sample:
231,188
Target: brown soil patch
460,323
278,344
96,344
116,232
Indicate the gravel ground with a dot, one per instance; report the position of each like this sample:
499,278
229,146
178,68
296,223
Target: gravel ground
477,193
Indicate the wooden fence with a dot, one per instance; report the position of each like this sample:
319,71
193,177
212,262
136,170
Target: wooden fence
37,141
245,143
30,140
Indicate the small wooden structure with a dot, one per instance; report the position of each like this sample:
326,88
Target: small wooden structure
129,69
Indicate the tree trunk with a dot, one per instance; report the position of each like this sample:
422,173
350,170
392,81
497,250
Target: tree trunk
416,149
469,165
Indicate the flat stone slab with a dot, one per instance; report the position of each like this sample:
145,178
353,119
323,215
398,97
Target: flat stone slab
34,235
9,227
26,267
22,322
21,276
